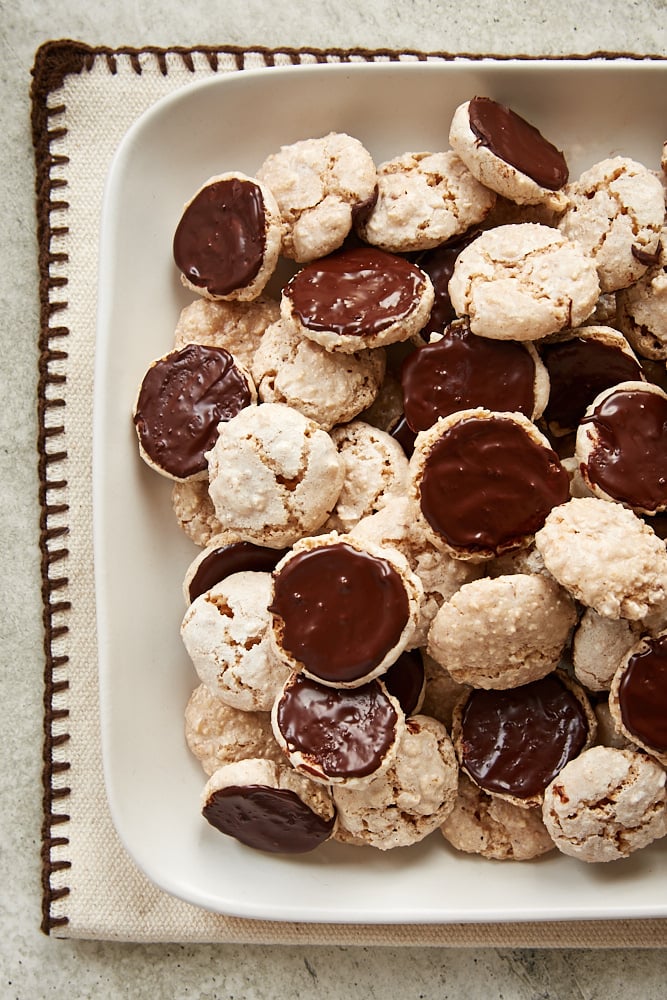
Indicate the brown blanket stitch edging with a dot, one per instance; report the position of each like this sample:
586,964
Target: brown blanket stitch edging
54,61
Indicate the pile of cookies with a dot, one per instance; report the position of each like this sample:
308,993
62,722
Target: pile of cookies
427,482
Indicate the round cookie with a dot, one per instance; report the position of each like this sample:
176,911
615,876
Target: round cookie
484,482
268,807
638,696
337,736
615,213
493,828
358,298
423,200
598,646
223,556
217,734
582,363
226,632
621,446
503,632
458,370
227,241
410,799
236,326
330,388
274,475
376,471
606,556
606,804
321,185
523,282
512,743
508,154
642,308
343,610
194,510
182,399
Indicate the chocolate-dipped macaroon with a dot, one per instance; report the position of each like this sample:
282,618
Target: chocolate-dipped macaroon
227,553
182,399
638,696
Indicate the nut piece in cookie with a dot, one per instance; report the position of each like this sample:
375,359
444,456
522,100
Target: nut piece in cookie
217,734
484,482
638,696
227,241
508,154
494,828
343,610
503,632
424,199
409,800
334,735
523,282
581,364
320,186
357,298
606,556
621,446
606,804
274,475
182,399
269,807
512,743
459,370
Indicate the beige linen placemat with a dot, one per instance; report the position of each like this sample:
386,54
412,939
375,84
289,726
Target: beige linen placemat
84,99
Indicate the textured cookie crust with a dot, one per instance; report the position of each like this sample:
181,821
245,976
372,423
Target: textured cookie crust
236,326
326,387
598,646
615,206
606,804
274,475
504,632
218,734
642,308
194,510
442,693
523,282
411,798
318,184
606,557
226,632
424,199
487,825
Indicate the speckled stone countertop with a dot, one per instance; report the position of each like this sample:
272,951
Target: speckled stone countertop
34,966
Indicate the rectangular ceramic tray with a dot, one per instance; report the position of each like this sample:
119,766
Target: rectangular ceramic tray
591,109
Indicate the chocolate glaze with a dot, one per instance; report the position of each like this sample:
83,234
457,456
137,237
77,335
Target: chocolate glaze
355,292
486,484
629,457
515,741
183,398
642,694
579,369
405,436
405,680
439,265
517,142
463,370
268,819
236,557
340,611
220,240
344,733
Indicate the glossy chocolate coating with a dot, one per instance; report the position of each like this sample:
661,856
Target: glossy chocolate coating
356,292
344,733
579,369
268,819
237,557
642,694
629,456
403,433
518,143
341,611
487,484
462,371
405,680
183,398
220,240
515,741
